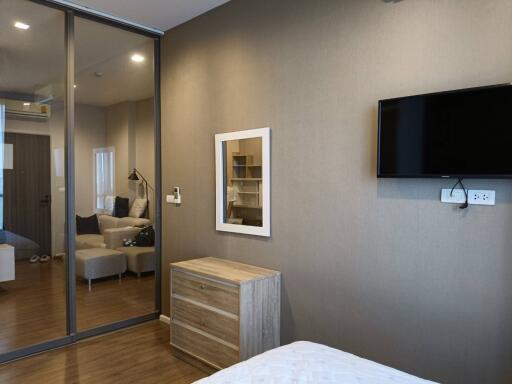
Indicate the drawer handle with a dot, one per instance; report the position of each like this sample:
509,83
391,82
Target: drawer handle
202,286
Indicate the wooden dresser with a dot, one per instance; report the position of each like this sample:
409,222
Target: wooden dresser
223,312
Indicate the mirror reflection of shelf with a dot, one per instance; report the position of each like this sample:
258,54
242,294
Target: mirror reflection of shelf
247,179
246,206
244,167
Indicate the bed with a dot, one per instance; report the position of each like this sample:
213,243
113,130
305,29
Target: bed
305,362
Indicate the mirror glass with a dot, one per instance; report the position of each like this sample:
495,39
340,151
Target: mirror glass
32,177
243,182
114,174
242,174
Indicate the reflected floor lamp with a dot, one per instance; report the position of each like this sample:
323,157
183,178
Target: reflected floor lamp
134,176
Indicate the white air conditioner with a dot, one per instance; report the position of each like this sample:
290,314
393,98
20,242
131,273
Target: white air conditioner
26,110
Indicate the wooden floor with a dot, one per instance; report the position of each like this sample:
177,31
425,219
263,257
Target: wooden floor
33,307
137,355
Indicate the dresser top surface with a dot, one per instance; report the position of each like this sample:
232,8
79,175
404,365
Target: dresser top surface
227,270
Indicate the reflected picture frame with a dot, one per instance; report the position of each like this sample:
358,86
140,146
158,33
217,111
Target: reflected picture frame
221,154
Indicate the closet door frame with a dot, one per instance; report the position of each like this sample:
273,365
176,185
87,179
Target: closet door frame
72,334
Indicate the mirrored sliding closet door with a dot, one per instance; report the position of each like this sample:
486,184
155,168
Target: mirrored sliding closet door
78,196
32,177
114,174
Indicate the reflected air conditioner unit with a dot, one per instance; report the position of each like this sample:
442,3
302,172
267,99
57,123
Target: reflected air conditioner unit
26,110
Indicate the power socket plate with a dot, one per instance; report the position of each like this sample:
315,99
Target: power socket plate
481,197
456,197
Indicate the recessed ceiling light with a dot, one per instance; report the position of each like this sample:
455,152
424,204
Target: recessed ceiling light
74,85
20,25
138,58
26,104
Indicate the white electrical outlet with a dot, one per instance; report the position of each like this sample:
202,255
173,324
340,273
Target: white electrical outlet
456,197
481,197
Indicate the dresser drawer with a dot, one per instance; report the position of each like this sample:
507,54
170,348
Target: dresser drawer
223,312
200,346
224,326
205,291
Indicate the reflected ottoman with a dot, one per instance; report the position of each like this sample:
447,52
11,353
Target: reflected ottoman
139,259
94,263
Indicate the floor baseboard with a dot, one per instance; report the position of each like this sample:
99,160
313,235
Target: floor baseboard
165,319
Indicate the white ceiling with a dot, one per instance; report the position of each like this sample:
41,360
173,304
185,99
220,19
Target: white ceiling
102,48
160,14
32,62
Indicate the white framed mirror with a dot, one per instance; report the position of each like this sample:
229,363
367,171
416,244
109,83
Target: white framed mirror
242,167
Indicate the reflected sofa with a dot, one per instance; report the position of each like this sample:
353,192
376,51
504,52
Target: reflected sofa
113,230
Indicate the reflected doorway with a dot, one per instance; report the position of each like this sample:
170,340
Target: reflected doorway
27,187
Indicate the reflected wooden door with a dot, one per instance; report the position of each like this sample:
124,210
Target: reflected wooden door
27,189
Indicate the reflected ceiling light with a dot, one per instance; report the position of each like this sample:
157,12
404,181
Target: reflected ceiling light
138,58
74,85
26,104
20,25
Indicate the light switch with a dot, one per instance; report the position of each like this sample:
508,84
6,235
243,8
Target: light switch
175,198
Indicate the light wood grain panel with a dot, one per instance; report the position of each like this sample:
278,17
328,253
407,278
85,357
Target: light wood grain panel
33,307
225,270
214,323
195,362
199,316
206,291
260,306
135,355
202,347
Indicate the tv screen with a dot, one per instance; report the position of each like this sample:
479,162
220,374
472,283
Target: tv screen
463,133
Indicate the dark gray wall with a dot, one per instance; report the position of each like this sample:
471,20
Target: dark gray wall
379,268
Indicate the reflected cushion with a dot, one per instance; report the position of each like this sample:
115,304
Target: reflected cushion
138,208
87,225
109,205
121,207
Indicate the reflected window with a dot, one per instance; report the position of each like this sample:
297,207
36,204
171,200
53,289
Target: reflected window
104,177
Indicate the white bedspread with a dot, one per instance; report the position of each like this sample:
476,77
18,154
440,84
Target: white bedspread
304,362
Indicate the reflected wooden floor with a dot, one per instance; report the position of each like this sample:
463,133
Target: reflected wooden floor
33,307
136,355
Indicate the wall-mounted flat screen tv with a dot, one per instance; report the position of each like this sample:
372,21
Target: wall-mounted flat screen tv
462,134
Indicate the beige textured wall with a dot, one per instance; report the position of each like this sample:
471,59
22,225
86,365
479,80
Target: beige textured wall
144,147
120,126
130,129
90,133
379,268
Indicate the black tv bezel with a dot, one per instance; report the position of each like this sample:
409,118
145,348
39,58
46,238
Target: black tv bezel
382,175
